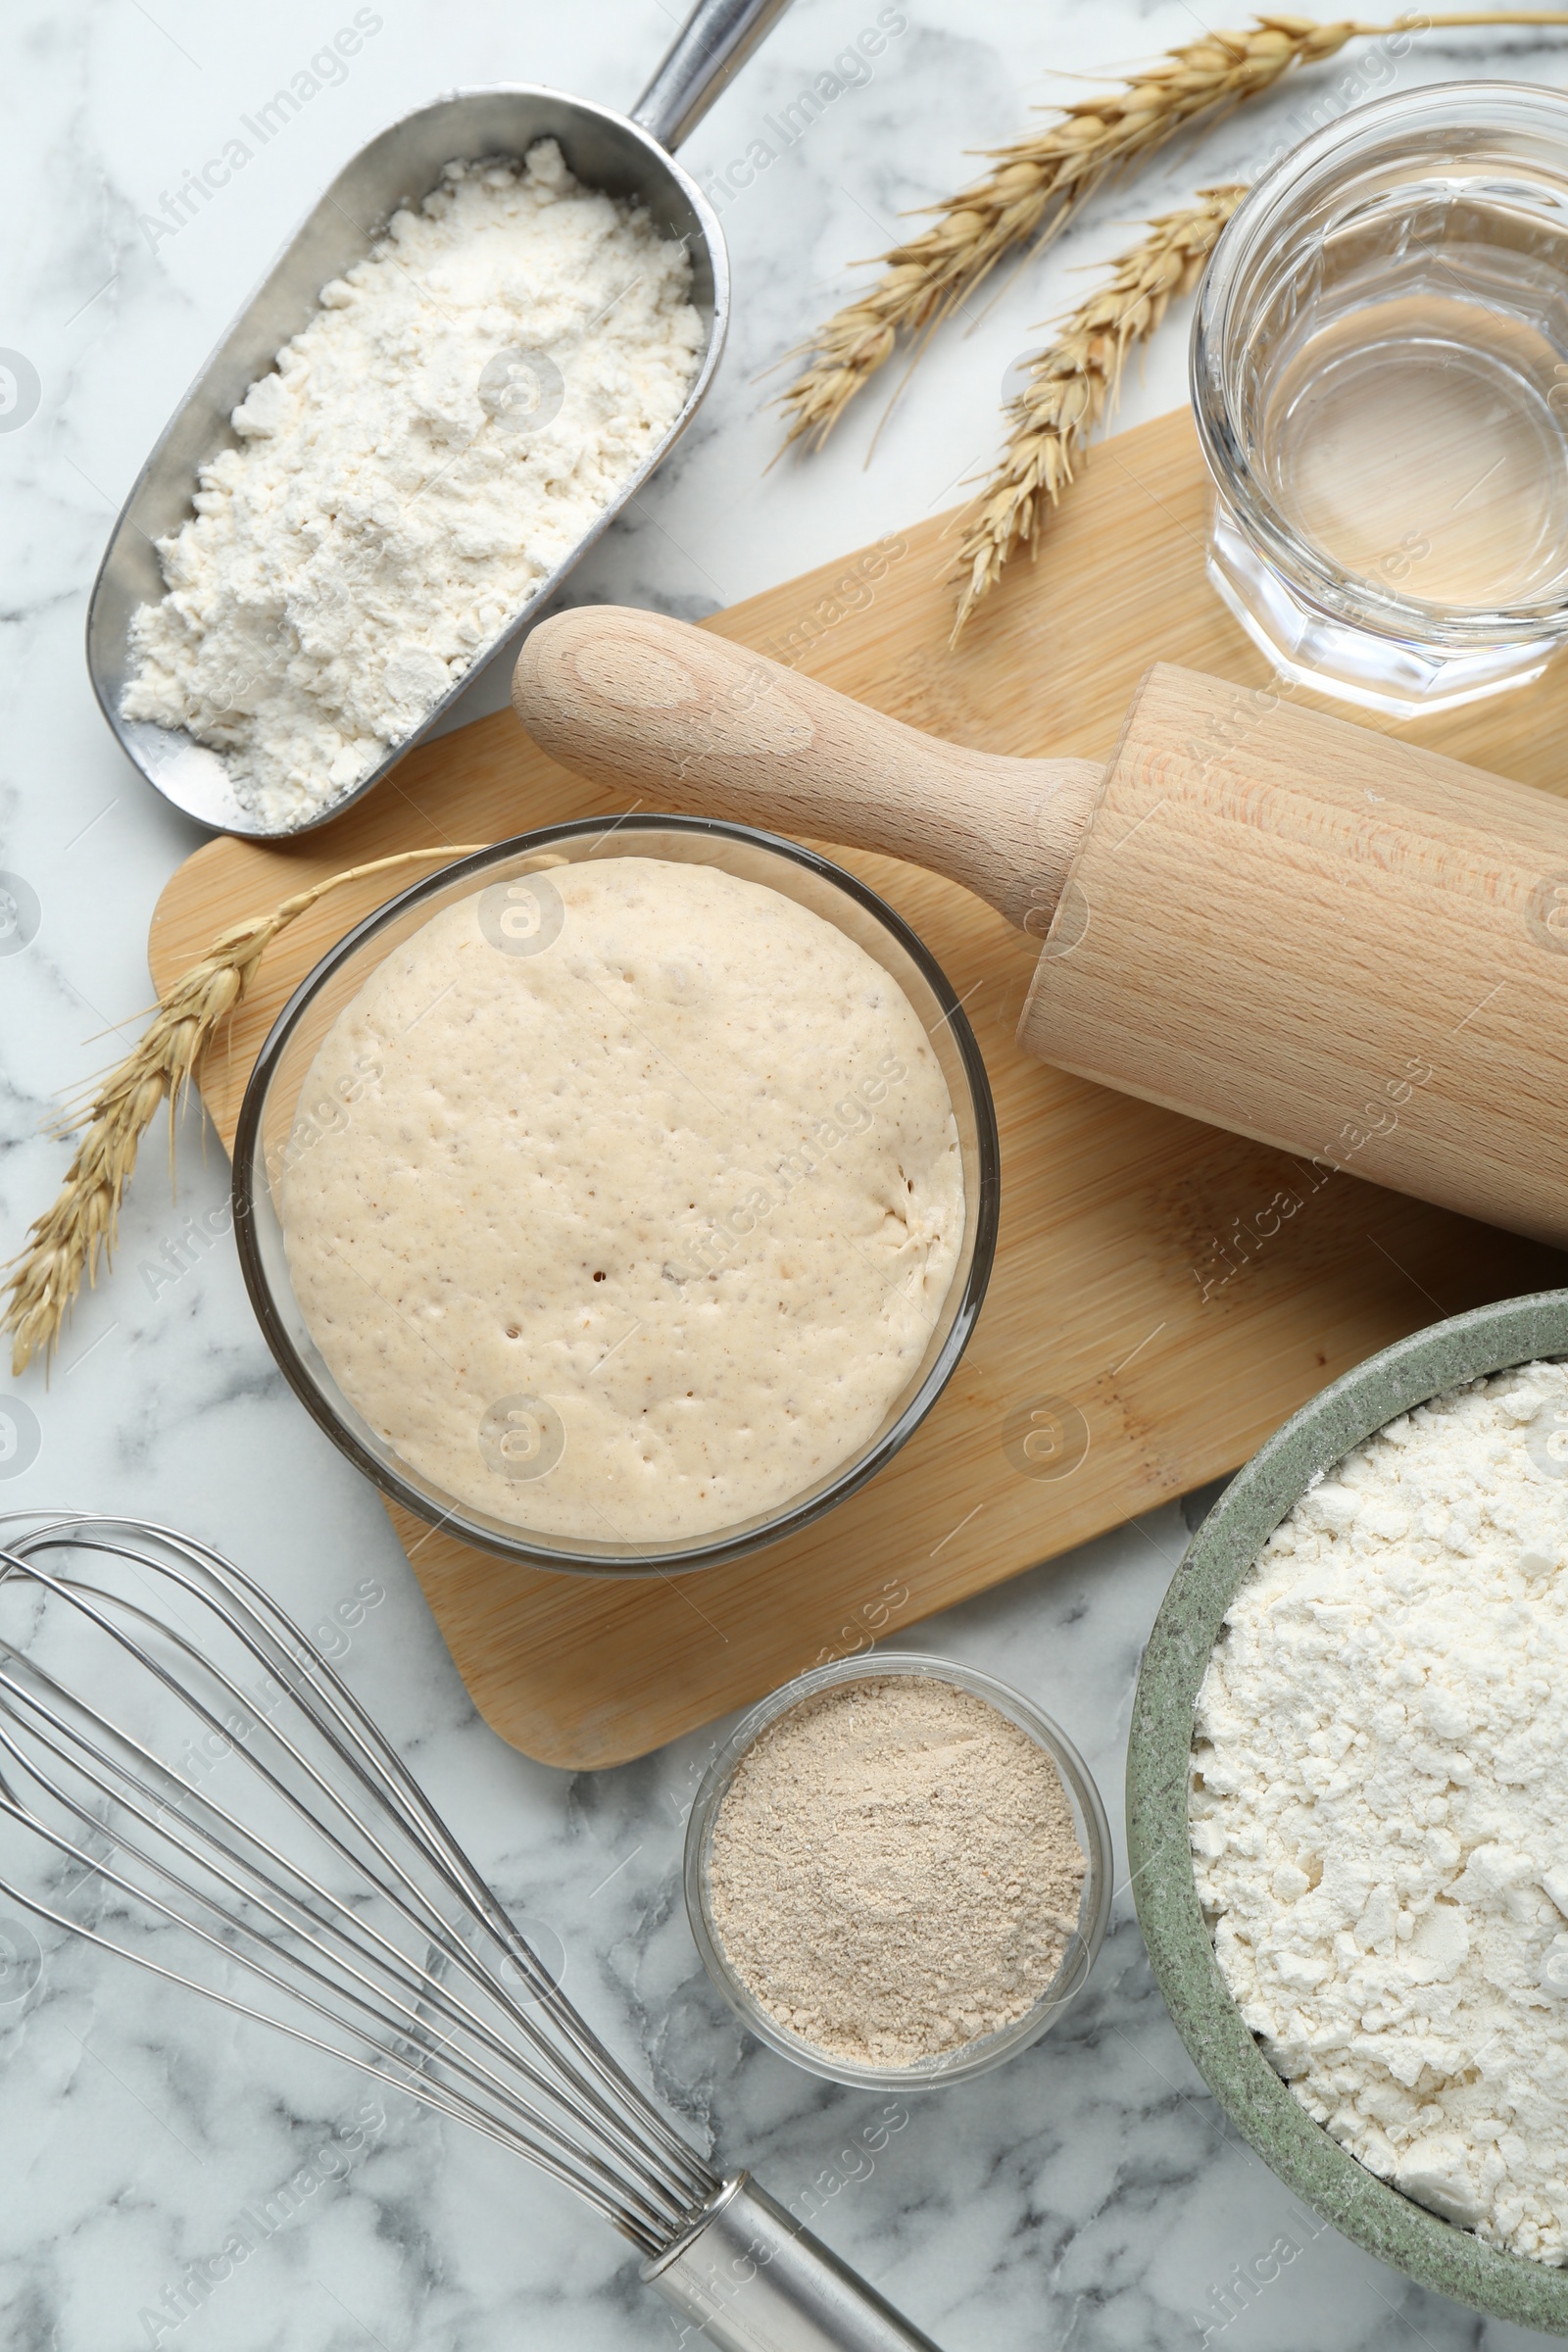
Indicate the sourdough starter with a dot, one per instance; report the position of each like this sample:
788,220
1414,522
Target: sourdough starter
644,1205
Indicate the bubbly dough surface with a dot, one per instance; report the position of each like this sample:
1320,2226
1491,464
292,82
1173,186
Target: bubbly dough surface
623,1200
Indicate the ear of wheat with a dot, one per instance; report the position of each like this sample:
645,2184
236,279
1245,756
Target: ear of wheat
64,1244
1071,383
1039,182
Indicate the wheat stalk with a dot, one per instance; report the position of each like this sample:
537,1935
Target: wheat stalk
1073,381
67,1241
1041,181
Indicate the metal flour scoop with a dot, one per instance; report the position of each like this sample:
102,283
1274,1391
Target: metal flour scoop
627,156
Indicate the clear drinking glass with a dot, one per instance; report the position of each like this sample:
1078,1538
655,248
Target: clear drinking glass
1094,1904
1380,379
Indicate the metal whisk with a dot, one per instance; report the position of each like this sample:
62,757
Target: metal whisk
186,1780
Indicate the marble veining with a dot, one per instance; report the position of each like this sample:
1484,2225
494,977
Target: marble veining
1089,2195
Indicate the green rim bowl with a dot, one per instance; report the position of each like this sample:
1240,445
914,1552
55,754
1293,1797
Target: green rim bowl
1328,2177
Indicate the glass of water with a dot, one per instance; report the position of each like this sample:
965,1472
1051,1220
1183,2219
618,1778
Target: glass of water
1380,379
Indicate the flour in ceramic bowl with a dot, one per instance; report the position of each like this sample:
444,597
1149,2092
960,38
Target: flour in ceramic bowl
1379,1812
466,403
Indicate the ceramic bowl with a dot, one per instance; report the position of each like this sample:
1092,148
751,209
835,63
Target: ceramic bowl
1433,2252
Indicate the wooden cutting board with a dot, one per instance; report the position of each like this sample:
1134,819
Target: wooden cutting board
1164,1294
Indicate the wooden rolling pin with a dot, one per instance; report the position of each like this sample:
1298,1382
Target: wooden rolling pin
1286,925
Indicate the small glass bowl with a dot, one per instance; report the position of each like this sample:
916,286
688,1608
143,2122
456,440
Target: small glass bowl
273,1121
1088,1822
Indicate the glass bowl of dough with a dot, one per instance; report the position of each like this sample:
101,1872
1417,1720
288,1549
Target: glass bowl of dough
620,1203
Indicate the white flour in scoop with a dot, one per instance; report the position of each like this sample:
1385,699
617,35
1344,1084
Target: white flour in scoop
1380,1805
462,406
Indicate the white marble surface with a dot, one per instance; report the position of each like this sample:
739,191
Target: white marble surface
1087,2196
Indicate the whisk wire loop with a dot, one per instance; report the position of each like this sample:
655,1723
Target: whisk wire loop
486,2082
323,1914
320,1869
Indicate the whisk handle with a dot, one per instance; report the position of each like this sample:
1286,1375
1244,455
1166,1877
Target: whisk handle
751,2278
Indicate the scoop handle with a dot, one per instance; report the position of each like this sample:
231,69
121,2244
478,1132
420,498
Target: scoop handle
706,55
691,721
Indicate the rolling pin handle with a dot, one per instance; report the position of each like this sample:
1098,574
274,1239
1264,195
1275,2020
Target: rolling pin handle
682,716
